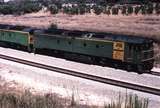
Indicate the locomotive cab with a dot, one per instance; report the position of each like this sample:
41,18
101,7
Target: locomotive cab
147,55
141,55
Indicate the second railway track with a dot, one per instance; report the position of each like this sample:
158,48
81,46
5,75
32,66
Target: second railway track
155,73
123,84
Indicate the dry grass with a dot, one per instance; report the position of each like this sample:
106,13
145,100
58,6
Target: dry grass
12,97
28,100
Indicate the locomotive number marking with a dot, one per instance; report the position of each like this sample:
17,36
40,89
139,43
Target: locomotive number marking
118,50
118,46
118,55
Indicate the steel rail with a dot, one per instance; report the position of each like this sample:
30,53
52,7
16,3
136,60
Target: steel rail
155,73
123,84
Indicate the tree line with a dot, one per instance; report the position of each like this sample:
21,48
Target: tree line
82,8
77,8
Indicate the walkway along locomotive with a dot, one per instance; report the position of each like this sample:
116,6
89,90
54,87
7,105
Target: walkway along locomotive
108,49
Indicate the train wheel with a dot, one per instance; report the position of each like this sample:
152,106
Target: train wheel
29,49
97,61
140,69
115,65
34,50
129,67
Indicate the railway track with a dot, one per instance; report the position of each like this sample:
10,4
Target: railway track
127,85
155,73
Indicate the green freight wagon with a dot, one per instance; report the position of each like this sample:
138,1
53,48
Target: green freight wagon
15,36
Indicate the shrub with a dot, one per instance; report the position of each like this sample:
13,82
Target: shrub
6,9
66,10
28,6
115,11
74,10
157,8
137,10
97,10
124,10
53,9
107,11
143,9
130,10
150,9
81,9
20,7
88,9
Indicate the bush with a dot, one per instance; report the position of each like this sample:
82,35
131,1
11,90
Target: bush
81,9
137,10
6,9
88,9
130,10
97,10
143,9
115,11
28,6
66,10
124,10
157,8
107,11
150,9
53,9
74,10
20,7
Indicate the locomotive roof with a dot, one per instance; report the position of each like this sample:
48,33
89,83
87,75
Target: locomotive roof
98,35
81,34
17,28
124,38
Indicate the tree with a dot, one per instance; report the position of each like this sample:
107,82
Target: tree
53,9
97,9
137,9
130,10
66,10
124,10
74,10
143,9
82,8
150,8
88,9
6,9
115,11
157,8
106,10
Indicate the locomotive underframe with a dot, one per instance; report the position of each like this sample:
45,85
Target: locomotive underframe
143,67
